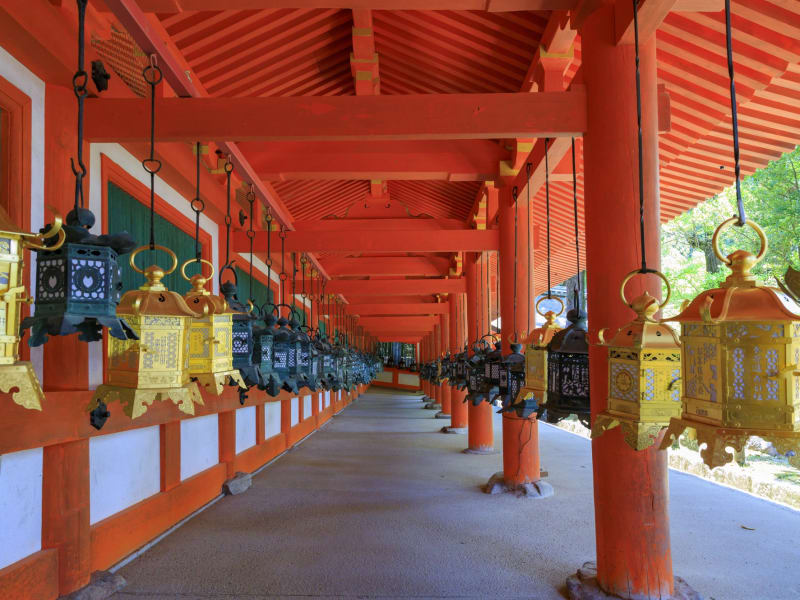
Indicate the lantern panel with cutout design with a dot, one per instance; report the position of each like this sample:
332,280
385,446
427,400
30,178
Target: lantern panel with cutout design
156,366
18,377
210,336
536,352
740,348
644,369
242,326
568,372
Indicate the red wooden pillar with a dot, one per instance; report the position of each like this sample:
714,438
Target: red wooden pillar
458,409
630,488
436,350
444,346
480,427
520,436
227,440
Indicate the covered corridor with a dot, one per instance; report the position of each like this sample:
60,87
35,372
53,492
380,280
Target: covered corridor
379,504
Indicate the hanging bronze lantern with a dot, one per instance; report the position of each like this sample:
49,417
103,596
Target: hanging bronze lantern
491,372
644,366
512,379
210,335
263,351
243,320
740,347
568,372
476,380
156,366
16,374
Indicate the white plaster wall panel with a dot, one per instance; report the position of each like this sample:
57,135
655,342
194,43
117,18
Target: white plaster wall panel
124,468
408,379
295,411
385,376
307,407
245,428
199,444
20,505
272,419
319,403
327,398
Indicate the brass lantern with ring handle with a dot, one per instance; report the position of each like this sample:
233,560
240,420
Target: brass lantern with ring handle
740,348
536,351
210,334
644,368
17,374
156,366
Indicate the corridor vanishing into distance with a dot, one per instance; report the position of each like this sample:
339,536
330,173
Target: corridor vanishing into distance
379,504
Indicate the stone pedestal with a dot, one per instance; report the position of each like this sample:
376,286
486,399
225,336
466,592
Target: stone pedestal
497,485
583,586
241,482
102,585
458,430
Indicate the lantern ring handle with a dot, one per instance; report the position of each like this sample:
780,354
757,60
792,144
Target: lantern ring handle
725,225
540,300
202,261
54,229
636,272
140,249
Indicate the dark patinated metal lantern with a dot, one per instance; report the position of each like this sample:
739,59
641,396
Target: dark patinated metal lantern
460,363
512,382
491,371
243,322
476,375
284,356
568,371
263,350
328,366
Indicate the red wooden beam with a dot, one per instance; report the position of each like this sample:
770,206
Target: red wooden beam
364,59
408,339
399,323
396,287
356,240
173,6
401,117
396,309
450,160
427,224
387,265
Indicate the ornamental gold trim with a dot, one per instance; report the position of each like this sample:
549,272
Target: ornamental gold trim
135,402
22,377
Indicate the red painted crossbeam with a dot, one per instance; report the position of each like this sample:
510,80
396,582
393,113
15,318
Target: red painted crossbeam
354,240
312,118
174,6
395,287
396,309
386,265
399,323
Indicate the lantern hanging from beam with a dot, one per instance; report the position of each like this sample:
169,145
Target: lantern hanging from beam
492,372
156,366
512,380
263,351
476,380
243,320
285,354
16,374
210,335
644,367
536,352
740,347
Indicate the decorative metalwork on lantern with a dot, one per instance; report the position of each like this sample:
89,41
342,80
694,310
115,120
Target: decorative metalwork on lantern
535,384
285,354
568,372
156,366
512,379
740,346
210,335
16,374
460,370
476,380
491,372
243,342
644,367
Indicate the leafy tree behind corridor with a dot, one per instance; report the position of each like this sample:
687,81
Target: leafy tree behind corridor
771,199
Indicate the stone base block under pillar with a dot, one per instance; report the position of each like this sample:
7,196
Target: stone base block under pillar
103,584
441,415
583,586
425,399
453,430
539,489
241,482
433,406
479,451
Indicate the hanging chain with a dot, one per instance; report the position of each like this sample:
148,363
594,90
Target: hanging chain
514,195
268,219
251,199
282,276
294,279
152,75
528,238
547,211
198,206
644,268
577,240
303,261
79,81
734,117
497,285
228,171
478,305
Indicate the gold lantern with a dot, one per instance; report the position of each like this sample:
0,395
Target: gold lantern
536,352
644,367
740,346
156,367
210,335
14,373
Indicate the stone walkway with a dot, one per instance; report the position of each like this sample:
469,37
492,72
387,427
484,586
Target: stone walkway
378,504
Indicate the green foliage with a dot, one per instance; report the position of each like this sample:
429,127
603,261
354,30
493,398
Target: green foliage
771,199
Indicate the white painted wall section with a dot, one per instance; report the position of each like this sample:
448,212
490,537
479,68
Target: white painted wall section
295,411
408,379
307,407
199,444
272,419
245,428
327,398
385,376
20,505
124,468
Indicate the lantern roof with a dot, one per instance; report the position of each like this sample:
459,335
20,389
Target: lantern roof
200,300
153,298
644,331
740,298
571,340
